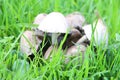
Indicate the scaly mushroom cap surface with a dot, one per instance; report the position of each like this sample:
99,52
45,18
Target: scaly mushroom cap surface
75,19
39,18
100,33
54,22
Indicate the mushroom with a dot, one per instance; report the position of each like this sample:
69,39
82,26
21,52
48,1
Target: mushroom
39,18
54,23
75,19
29,42
100,32
73,38
75,34
75,51
47,53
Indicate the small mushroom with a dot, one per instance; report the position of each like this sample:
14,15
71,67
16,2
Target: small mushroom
46,40
29,42
75,51
39,18
75,19
54,23
100,32
75,34
73,38
47,53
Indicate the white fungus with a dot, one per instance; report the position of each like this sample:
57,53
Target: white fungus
100,32
29,42
54,23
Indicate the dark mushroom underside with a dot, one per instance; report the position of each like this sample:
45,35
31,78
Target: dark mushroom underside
47,41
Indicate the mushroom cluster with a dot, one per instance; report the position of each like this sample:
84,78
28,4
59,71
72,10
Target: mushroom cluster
54,26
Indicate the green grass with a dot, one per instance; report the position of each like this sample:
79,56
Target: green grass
17,16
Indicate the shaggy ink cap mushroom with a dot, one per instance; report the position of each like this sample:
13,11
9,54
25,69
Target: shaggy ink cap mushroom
54,23
100,32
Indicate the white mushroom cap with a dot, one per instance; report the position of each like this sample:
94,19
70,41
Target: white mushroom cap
100,33
75,19
54,22
39,18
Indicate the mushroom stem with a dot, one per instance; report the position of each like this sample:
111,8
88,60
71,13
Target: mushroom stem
54,38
